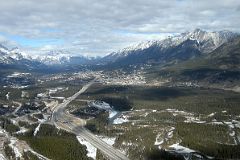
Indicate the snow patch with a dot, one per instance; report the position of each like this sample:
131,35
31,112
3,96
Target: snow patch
37,129
190,118
18,74
92,151
60,98
158,140
112,113
217,123
2,157
22,130
13,121
120,120
101,105
42,95
15,149
108,140
212,114
7,96
180,149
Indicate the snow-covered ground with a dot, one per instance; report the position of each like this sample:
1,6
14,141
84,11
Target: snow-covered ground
18,146
7,96
108,140
232,126
22,130
2,157
216,123
92,151
159,140
18,86
14,148
190,117
212,114
55,90
18,74
39,125
13,121
112,113
170,133
101,105
121,119
164,137
24,94
36,129
180,149
42,95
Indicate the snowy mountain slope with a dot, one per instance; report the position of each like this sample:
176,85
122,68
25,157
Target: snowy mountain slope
207,42
53,57
61,58
13,55
56,57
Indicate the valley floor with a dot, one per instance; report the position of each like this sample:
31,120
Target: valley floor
140,120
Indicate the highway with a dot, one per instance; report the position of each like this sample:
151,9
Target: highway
68,122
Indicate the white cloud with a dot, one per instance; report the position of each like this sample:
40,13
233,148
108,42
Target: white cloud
96,27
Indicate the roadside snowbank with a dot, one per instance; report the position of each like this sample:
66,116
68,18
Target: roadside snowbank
2,157
14,148
108,140
92,151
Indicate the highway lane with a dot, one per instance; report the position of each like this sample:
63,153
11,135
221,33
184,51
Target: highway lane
59,110
68,122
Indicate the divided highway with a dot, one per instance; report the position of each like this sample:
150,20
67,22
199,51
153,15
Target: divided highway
68,122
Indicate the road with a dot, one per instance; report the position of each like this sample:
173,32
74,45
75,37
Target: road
68,122
19,106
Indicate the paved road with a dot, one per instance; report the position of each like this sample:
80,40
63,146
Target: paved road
19,106
75,125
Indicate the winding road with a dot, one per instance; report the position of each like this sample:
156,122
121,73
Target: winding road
68,122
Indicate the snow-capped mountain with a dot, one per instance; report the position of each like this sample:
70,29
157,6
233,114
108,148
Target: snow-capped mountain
56,57
208,41
179,47
59,57
53,57
9,56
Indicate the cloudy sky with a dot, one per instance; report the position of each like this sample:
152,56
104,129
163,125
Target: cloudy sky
98,27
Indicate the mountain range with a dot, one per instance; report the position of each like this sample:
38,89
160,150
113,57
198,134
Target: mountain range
220,48
56,57
173,49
